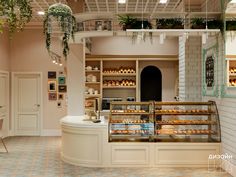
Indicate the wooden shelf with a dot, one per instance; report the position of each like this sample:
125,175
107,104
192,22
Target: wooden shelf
120,87
92,95
130,123
232,74
92,82
130,113
184,113
92,71
207,123
185,133
119,74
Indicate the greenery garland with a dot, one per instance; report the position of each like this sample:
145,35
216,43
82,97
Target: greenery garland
17,13
64,17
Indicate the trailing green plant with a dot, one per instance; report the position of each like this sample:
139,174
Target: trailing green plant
16,13
66,21
169,23
1,25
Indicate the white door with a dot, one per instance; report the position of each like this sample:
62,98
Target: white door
27,103
4,101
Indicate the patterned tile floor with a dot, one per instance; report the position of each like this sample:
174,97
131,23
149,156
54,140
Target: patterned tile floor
40,157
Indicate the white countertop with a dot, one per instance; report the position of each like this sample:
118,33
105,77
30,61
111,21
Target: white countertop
77,121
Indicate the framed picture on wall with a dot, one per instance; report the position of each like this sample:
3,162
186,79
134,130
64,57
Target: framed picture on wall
52,96
61,80
62,88
52,86
52,74
60,96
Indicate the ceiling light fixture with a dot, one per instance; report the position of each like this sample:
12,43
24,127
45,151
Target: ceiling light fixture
163,1
41,12
233,1
121,1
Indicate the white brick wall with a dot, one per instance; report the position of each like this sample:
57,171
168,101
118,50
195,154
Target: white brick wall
190,69
226,106
190,74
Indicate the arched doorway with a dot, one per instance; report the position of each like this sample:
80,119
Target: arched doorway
151,84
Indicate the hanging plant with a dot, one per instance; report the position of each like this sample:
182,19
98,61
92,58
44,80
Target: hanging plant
59,17
16,14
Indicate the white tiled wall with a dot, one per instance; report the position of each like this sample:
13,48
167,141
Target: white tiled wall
226,106
190,62
190,69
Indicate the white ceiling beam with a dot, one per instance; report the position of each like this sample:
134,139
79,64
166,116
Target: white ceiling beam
154,9
46,2
176,5
117,6
55,1
126,7
167,3
38,5
87,4
146,5
107,6
136,6
97,5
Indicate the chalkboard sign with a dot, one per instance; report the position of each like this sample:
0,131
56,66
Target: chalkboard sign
210,71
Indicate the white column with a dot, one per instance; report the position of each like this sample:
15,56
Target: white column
75,80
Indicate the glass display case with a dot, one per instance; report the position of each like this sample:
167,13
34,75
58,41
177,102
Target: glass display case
131,121
164,122
186,122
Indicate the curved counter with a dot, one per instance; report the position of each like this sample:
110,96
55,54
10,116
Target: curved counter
85,143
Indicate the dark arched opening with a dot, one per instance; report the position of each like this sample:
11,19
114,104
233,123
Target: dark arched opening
151,84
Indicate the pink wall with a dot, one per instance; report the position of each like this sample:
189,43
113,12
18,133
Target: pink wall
124,46
4,52
28,54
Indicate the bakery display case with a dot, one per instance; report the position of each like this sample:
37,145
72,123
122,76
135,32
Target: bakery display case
131,121
164,122
186,122
231,72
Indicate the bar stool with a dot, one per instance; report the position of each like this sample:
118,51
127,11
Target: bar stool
1,135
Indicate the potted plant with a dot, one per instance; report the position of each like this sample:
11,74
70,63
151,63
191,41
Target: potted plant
61,14
126,21
215,24
170,23
198,23
231,25
15,19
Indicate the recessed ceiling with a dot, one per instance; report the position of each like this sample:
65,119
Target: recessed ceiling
151,7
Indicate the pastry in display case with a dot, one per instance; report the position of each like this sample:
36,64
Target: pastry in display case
186,121
131,121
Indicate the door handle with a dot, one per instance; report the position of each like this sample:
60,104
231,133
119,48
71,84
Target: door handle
1,106
38,105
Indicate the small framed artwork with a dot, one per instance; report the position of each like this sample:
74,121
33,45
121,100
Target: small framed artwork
52,86
62,88
52,74
107,25
80,26
60,96
52,96
61,72
98,25
61,80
